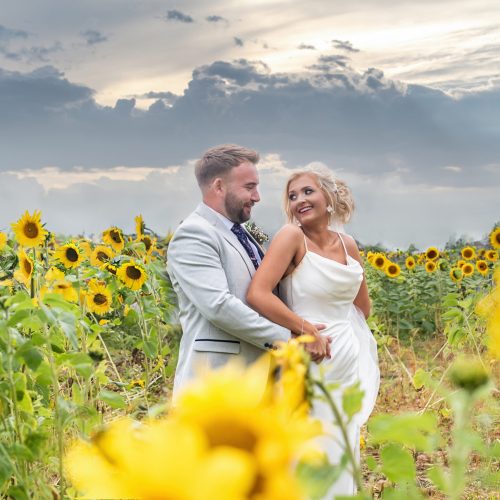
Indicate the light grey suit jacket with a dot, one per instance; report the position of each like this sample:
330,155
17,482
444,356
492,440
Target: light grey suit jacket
210,272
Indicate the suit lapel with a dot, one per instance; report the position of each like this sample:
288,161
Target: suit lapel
231,238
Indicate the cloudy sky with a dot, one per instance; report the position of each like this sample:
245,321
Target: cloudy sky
105,105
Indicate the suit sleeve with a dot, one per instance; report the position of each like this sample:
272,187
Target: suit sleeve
195,263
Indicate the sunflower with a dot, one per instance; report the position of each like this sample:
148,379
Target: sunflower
69,255
86,248
247,423
25,271
410,262
379,261
139,227
132,275
100,255
54,274
65,288
29,231
468,253
149,244
482,267
392,270
98,297
3,240
468,269
456,274
432,253
491,255
430,266
443,265
461,263
60,287
114,237
110,268
495,238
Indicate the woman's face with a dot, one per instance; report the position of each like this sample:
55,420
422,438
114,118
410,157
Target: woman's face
307,201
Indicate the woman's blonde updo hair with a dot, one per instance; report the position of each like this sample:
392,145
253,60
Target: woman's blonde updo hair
337,193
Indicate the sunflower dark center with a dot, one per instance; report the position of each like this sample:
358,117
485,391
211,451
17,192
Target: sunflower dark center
103,257
31,230
100,299
133,273
147,242
72,254
116,236
233,434
27,266
497,238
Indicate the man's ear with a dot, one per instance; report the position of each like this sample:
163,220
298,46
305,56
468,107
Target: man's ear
218,185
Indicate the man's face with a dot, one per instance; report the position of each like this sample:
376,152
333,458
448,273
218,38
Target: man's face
241,192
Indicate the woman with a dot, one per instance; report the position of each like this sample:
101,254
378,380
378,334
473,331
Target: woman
321,282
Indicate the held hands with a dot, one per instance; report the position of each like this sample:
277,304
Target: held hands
319,349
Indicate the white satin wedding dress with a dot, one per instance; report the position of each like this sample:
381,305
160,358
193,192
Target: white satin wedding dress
322,290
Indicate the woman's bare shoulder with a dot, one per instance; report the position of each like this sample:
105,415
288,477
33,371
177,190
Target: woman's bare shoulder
350,244
289,233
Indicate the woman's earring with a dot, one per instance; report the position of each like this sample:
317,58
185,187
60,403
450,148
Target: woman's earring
330,209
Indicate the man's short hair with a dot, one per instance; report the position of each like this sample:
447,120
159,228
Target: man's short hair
218,161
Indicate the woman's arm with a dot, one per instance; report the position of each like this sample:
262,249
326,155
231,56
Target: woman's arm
362,300
283,249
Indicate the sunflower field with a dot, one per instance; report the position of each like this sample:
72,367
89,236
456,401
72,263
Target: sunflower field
88,347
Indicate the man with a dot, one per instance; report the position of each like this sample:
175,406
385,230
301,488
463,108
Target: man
211,260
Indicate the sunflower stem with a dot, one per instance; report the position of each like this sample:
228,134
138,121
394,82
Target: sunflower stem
32,281
144,335
340,422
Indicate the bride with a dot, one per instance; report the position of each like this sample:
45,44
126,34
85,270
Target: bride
324,294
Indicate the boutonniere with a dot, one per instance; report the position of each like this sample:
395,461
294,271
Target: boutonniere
258,234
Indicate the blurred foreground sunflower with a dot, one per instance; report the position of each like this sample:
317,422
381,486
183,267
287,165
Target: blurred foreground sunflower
29,231
132,275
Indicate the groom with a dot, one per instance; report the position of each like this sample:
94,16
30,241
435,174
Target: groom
211,260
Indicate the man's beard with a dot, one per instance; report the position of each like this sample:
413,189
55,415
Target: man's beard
234,209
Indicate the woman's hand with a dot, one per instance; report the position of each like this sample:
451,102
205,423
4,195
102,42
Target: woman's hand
319,348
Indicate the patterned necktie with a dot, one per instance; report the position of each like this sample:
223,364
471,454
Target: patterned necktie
243,239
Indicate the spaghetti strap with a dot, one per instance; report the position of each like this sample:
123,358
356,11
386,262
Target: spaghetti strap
343,244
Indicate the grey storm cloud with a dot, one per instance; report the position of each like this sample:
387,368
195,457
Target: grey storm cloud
360,121
34,54
238,41
216,19
339,44
7,34
93,37
177,15
304,46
